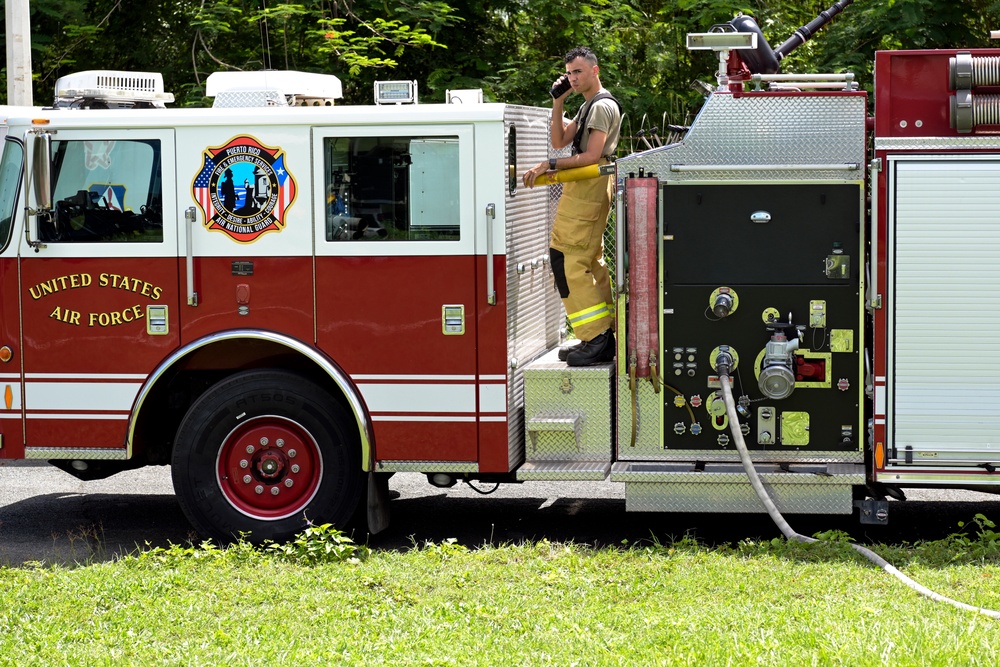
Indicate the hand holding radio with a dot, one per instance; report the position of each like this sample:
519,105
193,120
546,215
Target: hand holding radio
560,87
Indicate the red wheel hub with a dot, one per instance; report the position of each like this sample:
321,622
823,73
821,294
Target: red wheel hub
269,468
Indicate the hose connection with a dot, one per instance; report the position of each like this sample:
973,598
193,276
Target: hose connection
724,361
777,376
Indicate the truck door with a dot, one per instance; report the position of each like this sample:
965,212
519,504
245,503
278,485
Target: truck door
99,289
251,239
396,282
11,433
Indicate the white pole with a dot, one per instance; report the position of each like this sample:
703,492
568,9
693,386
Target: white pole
18,52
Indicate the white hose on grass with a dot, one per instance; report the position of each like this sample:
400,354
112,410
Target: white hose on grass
786,530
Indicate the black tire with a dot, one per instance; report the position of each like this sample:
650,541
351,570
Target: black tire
263,453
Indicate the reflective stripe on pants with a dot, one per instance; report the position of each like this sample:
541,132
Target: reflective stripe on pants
578,233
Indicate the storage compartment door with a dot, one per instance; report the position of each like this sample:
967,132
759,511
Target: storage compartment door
944,351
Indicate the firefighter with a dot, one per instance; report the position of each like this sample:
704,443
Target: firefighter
576,246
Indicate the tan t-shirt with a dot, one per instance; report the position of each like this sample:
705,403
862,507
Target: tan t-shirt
604,117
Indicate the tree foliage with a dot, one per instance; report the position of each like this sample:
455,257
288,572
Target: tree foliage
511,49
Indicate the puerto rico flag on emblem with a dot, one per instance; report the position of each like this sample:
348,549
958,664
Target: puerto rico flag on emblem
244,189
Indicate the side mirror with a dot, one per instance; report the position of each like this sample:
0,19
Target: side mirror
41,170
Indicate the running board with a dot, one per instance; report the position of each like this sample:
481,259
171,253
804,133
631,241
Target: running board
724,487
564,471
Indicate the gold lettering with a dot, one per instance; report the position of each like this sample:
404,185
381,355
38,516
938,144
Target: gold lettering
102,280
146,287
58,284
115,317
66,315
132,314
156,293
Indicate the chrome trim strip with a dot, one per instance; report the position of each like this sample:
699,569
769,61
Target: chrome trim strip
847,166
343,381
937,143
75,453
427,466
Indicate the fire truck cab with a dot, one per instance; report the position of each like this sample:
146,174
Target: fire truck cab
300,281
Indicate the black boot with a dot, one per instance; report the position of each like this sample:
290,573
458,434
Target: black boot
598,350
568,347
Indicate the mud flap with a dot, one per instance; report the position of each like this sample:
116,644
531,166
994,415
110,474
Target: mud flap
378,503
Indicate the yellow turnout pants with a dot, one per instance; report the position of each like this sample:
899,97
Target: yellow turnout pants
577,252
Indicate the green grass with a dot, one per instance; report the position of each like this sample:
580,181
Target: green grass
325,601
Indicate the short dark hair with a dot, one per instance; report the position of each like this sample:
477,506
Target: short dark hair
580,52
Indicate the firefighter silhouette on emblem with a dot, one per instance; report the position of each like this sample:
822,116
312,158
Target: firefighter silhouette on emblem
244,189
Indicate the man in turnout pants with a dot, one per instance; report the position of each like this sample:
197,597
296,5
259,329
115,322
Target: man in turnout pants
577,244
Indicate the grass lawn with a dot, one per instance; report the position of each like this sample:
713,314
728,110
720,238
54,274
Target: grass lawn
325,601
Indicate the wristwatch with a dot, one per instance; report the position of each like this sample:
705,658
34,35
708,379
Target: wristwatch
552,163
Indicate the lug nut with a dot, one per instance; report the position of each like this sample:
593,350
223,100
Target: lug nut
258,489
291,453
280,442
244,463
275,490
289,483
263,442
249,449
247,479
295,467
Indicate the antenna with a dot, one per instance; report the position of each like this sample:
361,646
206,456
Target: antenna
265,40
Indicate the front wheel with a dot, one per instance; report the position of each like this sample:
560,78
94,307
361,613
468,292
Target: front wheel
262,453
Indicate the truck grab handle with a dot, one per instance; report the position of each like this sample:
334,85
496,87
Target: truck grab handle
190,216
491,290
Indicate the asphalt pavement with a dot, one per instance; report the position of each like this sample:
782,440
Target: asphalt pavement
46,516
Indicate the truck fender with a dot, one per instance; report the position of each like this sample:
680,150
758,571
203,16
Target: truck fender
322,361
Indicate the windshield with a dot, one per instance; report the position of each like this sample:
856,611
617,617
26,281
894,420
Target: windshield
11,164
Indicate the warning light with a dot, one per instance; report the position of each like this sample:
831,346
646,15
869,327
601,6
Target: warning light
6,354
879,454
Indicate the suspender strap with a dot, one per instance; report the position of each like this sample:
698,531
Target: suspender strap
586,112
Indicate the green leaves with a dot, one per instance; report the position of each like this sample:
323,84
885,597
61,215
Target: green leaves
511,49
321,544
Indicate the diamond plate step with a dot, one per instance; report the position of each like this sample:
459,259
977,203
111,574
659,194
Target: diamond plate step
548,423
564,471
724,487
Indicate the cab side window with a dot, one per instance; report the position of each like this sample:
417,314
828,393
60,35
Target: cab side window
106,191
10,181
392,188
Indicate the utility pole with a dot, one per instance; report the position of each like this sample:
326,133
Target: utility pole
18,52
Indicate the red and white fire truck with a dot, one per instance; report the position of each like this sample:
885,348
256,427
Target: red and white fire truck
287,300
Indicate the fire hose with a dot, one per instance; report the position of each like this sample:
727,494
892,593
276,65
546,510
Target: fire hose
723,367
